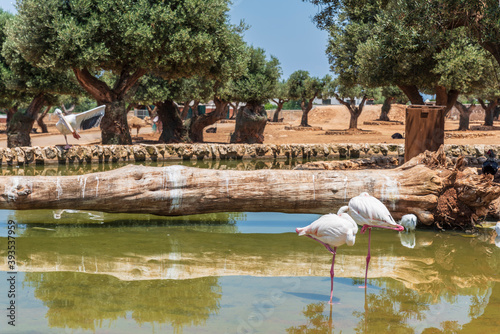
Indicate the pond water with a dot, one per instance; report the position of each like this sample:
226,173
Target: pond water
94,272
241,273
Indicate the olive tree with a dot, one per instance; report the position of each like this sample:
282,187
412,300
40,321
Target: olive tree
255,87
126,37
40,86
280,97
306,89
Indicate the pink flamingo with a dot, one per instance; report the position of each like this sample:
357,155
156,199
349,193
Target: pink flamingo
368,211
331,231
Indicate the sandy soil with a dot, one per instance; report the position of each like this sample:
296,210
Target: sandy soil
325,117
337,118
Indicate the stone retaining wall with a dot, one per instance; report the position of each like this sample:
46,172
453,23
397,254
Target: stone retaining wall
160,152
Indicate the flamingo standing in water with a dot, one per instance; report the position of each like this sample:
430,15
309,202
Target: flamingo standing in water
369,212
331,231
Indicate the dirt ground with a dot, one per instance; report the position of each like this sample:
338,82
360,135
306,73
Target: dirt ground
327,118
337,118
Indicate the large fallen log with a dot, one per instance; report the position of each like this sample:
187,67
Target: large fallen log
462,196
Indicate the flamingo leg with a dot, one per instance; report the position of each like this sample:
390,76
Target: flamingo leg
368,256
332,274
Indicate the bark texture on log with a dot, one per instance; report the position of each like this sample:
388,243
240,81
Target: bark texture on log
178,190
421,186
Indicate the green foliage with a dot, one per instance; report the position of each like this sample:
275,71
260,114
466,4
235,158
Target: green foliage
259,82
340,91
269,106
282,91
466,66
8,97
304,87
392,91
410,43
116,34
292,105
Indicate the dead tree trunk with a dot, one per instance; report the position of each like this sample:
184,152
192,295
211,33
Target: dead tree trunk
251,121
449,197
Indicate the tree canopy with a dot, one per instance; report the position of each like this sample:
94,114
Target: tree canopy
177,38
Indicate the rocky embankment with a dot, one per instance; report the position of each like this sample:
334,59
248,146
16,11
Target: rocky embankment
377,154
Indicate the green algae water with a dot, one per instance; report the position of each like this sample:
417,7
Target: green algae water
94,272
241,273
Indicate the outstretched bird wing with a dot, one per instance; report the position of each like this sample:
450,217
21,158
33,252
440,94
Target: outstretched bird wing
89,119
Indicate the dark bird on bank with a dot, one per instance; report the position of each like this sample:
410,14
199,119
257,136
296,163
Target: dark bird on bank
490,166
397,135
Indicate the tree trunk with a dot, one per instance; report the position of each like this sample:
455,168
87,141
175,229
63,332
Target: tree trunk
279,106
446,98
488,111
11,112
306,108
185,110
354,111
386,108
178,190
174,130
235,107
251,121
194,108
465,113
412,93
40,121
21,123
199,123
114,127
353,121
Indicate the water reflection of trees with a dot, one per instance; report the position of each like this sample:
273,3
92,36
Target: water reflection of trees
86,301
79,169
317,321
389,310
83,218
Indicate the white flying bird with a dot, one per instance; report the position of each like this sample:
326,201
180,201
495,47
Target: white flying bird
82,121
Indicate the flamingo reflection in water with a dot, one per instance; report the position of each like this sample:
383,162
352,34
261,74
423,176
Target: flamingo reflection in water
331,231
369,212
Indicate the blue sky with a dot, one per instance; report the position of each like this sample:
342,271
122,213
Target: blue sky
283,28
